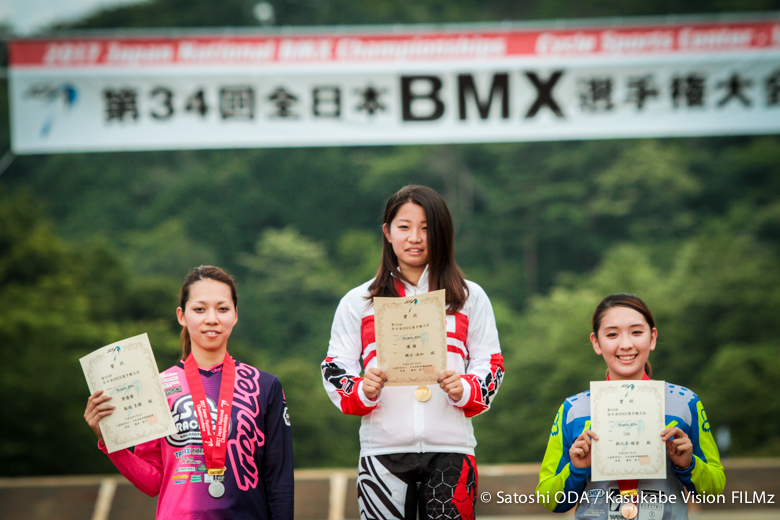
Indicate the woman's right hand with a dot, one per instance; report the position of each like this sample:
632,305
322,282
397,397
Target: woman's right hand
96,410
580,449
373,381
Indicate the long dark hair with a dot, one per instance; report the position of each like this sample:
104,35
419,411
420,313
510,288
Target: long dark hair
443,270
623,300
203,272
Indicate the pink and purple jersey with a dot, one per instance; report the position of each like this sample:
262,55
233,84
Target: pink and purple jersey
259,476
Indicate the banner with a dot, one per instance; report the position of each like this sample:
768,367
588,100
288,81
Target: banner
401,87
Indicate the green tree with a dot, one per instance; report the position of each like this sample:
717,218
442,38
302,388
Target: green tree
210,13
322,435
714,298
60,303
287,303
736,383
692,225
293,291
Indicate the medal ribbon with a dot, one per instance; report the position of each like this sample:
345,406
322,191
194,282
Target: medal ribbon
630,487
214,437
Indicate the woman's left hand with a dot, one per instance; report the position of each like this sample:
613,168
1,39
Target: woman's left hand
679,449
450,382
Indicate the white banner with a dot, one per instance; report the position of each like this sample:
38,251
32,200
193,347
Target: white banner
447,87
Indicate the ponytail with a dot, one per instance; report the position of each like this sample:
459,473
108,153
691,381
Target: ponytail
186,343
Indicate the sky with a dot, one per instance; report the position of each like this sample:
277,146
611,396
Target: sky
28,16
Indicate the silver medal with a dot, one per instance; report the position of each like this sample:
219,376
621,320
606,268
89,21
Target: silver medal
216,489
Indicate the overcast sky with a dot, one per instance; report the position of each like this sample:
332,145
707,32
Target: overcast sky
27,16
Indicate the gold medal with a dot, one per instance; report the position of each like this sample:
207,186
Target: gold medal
423,393
629,510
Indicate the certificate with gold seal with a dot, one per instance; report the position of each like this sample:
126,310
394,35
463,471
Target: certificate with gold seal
411,338
126,370
628,417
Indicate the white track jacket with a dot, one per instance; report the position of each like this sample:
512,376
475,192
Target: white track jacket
396,422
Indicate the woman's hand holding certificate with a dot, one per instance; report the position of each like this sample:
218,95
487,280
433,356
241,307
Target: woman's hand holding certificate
450,382
373,382
580,450
125,374
678,446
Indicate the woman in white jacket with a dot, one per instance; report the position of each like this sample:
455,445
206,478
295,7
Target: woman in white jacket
416,457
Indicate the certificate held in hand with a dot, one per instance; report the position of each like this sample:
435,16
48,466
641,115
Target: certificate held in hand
411,339
628,417
126,370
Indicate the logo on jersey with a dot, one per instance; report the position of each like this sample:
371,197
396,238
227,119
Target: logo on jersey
489,386
286,416
174,390
249,437
556,427
705,423
188,451
187,428
613,501
335,375
595,494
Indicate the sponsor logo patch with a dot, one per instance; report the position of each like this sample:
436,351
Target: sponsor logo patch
188,451
171,391
187,428
595,494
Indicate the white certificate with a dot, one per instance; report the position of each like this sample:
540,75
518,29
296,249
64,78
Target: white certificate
127,371
411,338
628,417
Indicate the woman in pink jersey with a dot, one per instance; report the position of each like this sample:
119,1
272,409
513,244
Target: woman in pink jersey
416,451
240,472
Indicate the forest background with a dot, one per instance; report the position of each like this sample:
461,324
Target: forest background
93,248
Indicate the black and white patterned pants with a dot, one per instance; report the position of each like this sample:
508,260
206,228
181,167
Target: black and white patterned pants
437,486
